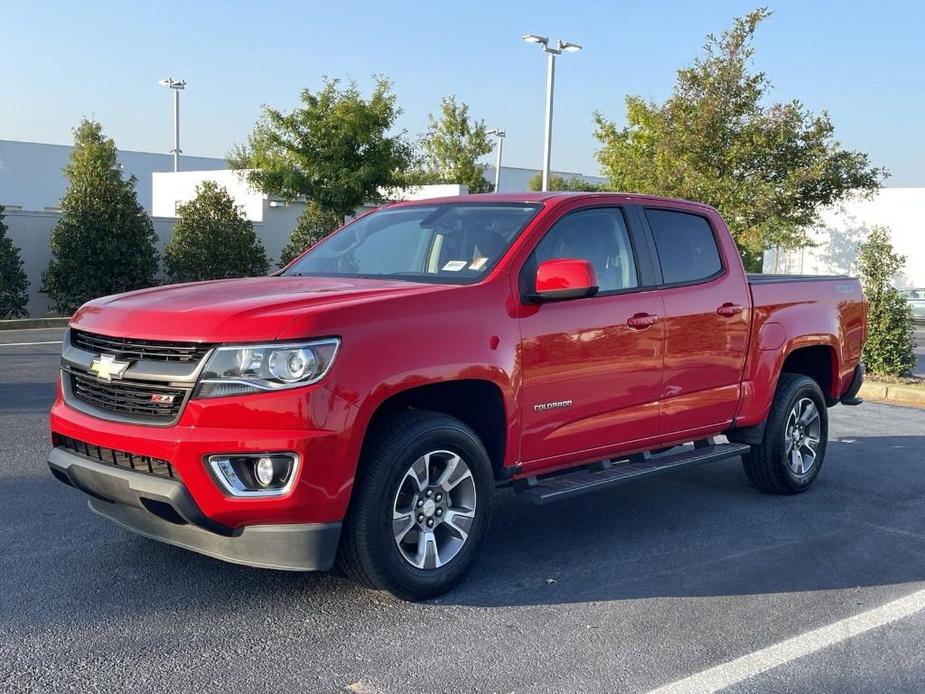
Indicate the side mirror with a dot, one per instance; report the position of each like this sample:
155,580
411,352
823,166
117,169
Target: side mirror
564,278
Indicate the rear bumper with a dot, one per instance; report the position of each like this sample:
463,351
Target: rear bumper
162,509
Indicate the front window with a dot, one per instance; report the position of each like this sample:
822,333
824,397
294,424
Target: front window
445,243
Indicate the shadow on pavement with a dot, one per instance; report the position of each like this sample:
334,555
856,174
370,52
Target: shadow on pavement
704,532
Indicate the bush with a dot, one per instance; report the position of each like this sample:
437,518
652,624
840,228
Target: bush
104,241
212,240
890,348
313,225
14,284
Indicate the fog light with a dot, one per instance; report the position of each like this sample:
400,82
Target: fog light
263,471
254,474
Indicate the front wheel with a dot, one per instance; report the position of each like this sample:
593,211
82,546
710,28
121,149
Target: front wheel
789,458
422,504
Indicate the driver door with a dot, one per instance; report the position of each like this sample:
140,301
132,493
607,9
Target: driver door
591,368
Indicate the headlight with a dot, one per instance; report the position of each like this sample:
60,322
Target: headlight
254,368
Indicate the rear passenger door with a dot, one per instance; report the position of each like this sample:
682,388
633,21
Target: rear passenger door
706,321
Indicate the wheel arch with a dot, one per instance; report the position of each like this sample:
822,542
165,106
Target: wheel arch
478,403
817,361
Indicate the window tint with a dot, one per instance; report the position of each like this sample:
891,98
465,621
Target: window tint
686,247
598,236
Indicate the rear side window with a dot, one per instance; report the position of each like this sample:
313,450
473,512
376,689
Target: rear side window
686,246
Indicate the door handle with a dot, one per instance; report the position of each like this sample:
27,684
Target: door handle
641,321
729,309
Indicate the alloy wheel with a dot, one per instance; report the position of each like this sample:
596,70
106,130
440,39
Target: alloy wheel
434,509
801,436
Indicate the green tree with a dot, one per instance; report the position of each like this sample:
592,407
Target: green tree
313,225
573,184
14,285
334,149
890,347
212,239
104,242
452,146
767,169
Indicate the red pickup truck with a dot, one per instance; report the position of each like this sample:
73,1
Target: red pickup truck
362,404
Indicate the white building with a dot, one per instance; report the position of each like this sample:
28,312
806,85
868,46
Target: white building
32,184
843,226
32,173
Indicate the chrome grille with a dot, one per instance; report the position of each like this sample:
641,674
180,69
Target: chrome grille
129,398
131,349
123,459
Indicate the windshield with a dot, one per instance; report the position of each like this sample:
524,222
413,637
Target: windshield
446,243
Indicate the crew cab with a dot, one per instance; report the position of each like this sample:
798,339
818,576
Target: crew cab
362,404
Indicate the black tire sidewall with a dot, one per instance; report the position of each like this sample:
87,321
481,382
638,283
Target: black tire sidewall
803,388
399,576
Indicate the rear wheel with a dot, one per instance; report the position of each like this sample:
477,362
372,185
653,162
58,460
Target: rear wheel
421,506
789,458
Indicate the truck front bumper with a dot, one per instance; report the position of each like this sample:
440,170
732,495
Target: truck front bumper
162,509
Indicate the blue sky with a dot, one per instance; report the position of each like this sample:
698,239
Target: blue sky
863,62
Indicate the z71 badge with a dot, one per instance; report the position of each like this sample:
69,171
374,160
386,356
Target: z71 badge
162,398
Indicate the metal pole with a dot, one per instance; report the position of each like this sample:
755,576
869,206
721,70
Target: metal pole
498,165
176,130
550,82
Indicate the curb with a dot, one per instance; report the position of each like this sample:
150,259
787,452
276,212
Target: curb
897,394
33,323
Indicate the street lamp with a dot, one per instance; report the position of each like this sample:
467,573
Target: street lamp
500,135
177,86
551,53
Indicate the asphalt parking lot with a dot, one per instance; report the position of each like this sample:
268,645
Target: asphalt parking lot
626,590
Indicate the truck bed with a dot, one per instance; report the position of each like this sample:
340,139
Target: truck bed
828,309
761,278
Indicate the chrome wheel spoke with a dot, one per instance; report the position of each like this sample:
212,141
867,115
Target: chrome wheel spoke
454,473
428,556
796,461
460,522
810,414
402,525
420,472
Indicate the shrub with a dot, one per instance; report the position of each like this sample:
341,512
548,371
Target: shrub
313,225
890,348
104,241
14,284
213,240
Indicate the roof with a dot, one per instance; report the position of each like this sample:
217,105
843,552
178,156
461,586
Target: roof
553,195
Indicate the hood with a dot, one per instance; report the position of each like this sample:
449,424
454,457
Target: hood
249,309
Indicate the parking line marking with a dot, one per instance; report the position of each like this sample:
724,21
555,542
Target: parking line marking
746,667
29,344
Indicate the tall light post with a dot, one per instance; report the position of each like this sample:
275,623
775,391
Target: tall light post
499,134
551,53
177,86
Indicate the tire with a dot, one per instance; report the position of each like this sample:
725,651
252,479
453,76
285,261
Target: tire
409,448
771,465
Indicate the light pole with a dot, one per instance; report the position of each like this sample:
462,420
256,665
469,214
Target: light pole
551,53
499,134
177,86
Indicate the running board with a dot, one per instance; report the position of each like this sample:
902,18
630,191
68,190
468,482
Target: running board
607,474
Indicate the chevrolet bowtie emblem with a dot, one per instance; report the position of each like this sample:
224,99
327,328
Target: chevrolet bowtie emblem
107,368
